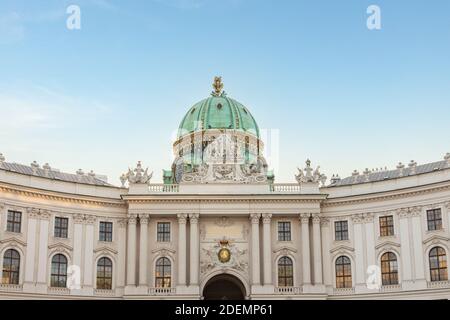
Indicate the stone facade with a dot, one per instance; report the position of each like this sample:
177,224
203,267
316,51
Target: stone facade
242,218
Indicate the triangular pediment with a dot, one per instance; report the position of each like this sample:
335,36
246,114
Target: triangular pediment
60,246
106,249
342,248
437,238
387,244
13,241
285,249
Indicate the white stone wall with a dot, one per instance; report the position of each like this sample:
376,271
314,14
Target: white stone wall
248,222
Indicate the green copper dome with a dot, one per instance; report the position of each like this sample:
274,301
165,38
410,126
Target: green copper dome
218,112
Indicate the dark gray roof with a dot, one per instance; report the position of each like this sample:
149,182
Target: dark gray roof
54,174
391,174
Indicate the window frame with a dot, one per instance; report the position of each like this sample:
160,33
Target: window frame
347,278
284,235
434,222
60,277
442,271
58,229
104,234
389,277
166,274
341,231
163,233
11,224
101,275
288,279
13,275
387,228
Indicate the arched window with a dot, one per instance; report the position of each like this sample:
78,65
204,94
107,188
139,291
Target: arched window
104,274
285,272
438,264
343,272
59,271
163,273
11,267
389,269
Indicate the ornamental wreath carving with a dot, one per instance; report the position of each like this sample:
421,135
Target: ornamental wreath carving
236,258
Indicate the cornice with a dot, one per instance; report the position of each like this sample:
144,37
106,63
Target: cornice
61,196
387,195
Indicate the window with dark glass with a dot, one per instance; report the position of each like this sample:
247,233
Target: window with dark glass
438,264
106,230
386,226
285,272
61,227
104,274
14,221
58,277
11,267
284,231
163,232
163,273
389,269
343,272
341,230
434,219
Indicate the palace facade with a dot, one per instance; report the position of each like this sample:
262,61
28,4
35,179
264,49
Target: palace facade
220,227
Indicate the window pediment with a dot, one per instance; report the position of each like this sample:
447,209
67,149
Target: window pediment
14,242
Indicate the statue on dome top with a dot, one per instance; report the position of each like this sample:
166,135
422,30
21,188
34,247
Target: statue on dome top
218,87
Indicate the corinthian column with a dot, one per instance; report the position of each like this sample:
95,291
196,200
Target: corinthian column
182,249
143,219
195,249
131,250
317,250
304,220
256,278
267,247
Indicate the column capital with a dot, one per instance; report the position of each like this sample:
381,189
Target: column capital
122,223
447,205
368,217
266,217
182,218
316,218
254,217
193,217
324,222
78,218
304,217
132,219
90,219
357,218
144,218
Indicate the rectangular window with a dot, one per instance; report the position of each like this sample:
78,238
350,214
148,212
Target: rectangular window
386,226
341,230
284,231
61,227
14,221
163,232
434,219
106,229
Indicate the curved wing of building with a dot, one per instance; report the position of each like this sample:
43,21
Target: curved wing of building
219,226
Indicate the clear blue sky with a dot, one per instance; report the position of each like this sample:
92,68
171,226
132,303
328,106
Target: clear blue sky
115,91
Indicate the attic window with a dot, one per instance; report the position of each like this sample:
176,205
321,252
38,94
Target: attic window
245,110
193,110
219,106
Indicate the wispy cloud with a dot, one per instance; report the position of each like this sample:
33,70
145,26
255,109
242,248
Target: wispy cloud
40,107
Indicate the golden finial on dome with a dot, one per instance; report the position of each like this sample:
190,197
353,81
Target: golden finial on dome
218,86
